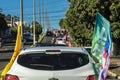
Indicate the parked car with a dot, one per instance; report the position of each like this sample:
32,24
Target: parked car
52,63
27,37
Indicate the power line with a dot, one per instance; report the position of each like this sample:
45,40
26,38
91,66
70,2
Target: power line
27,8
57,16
56,12
58,1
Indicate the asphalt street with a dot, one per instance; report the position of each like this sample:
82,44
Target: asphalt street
7,50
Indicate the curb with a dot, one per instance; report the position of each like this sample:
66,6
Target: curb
113,75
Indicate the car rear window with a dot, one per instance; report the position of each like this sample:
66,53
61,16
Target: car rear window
59,39
42,61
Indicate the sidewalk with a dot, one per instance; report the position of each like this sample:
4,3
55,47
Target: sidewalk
114,70
113,75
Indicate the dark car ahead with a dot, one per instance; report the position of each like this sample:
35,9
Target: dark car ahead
27,37
49,33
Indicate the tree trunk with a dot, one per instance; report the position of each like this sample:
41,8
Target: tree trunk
115,50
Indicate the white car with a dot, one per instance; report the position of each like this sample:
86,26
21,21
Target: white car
60,41
52,63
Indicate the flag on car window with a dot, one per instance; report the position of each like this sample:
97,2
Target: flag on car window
101,47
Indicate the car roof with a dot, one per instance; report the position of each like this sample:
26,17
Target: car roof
61,48
48,44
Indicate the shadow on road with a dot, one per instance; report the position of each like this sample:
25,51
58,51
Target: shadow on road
4,60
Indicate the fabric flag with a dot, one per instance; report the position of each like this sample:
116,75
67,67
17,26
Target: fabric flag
64,38
101,47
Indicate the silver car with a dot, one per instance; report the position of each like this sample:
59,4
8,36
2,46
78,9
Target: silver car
52,63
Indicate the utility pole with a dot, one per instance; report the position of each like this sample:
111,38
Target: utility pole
34,20
39,12
21,20
43,19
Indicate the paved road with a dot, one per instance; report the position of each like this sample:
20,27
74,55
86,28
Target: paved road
4,59
7,50
6,53
47,39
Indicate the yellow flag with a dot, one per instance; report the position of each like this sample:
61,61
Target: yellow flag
15,53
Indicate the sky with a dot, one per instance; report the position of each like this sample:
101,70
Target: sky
54,10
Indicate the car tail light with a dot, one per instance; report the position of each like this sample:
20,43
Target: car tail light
11,77
91,77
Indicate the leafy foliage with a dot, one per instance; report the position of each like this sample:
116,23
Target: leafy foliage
80,19
3,24
13,32
115,19
38,29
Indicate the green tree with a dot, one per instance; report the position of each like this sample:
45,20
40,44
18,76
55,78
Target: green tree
13,32
38,29
76,22
3,24
80,19
115,24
